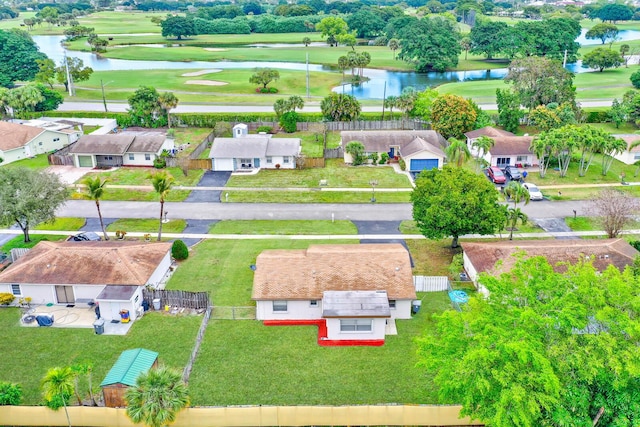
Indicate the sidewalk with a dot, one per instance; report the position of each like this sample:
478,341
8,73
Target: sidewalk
300,189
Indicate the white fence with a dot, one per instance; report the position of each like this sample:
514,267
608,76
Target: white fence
431,283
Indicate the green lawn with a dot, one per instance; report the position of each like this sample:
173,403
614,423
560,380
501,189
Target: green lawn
147,225
124,194
310,146
18,242
171,336
584,223
140,176
62,224
593,175
284,227
314,197
40,161
336,172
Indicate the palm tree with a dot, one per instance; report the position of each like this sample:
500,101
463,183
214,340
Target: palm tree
394,44
157,398
162,182
390,102
95,190
295,101
167,101
465,44
57,386
482,145
343,64
514,215
457,152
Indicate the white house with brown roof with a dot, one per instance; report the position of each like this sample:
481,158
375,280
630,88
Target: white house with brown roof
111,273
631,154
120,149
356,288
18,141
495,258
420,149
508,148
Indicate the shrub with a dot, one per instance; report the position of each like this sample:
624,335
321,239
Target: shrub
160,162
635,79
6,298
403,164
384,158
273,90
289,121
265,129
374,158
179,250
264,90
635,244
597,116
356,149
10,394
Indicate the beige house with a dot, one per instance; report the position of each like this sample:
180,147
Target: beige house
420,149
631,154
19,141
495,258
111,273
508,148
356,288
120,149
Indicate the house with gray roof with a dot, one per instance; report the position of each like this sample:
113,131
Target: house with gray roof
249,152
120,149
420,149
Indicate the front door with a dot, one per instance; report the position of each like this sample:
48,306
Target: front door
64,294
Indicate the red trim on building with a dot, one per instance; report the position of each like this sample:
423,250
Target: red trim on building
322,333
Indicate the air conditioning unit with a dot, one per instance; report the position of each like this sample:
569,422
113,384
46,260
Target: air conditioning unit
140,312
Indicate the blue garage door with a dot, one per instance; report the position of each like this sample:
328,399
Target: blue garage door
423,164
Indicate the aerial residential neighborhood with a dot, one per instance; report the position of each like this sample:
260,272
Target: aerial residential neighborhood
319,213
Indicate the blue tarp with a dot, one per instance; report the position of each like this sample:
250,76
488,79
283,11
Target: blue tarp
44,320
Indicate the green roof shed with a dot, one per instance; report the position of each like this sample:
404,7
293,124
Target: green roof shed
124,373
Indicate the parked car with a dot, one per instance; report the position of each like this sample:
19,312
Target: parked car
496,175
534,191
513,173
86,236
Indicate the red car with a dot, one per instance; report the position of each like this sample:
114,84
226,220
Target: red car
496,175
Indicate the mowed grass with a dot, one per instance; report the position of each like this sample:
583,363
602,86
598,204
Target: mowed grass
221,267
584,223
284,227
18,241
314,197
38,162
171,336
62,224
141,176
593,175
132,195
147,225
312,143
336,172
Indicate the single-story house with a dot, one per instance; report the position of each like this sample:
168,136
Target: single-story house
631,154
498,257
112,274
508,149
420,149
120,149
354,288
254,152
124,374
18,141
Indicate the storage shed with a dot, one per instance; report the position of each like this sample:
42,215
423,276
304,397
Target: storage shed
124,373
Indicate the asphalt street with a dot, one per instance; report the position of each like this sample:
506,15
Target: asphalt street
276,211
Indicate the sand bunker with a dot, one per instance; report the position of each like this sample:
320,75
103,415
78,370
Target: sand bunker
205,82
200,73
215,49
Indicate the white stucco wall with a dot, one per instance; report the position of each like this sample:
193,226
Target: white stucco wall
160,271
44,294
138,159
13,155
473,274
296,310
222,164
402,310
530,159
424,155
377,332
110,310
278,160
627,157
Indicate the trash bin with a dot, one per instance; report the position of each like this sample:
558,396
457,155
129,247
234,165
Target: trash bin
145,305
98,326
415,306
156,304
124,316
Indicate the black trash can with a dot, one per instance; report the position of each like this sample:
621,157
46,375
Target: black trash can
98,326
415,306
145,305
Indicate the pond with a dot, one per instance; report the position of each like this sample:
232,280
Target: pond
381,83
623,36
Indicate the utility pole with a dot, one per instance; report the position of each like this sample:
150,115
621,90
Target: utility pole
104,100
308,75
384,97
68,73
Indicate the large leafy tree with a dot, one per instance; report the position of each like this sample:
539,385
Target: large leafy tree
366,22
543,349
603,32
452,116
340,107
430,44
51,99
332,27
24,98
58,387
149,108
28,197
95,187
550,38
18,56
453,202
162,182
509,113
540,81
77,70
484,38
178,26
601,58
614,209
157,397
615,12
264,76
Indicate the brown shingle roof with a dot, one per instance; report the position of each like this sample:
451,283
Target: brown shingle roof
147,143
489,131
91,263
13,135
306,274
103,144
380,141
484,256
511,145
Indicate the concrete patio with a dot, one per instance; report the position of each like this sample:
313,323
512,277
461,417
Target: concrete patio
80,316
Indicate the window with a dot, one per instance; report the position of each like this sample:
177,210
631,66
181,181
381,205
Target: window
392,303
279,306
132,156
285,159
355,325
40,143
503,161
636,157
269,160
147,156
313,303
15,290
522,159
54,140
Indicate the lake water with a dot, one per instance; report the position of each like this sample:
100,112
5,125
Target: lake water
623,36
381,83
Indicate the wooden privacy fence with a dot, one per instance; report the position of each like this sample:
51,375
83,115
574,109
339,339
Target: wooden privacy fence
61,157
194,353
206,143
431,283
313,162
174,298
404,124
333,153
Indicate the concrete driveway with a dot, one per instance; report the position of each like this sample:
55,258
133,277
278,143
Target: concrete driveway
68,174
